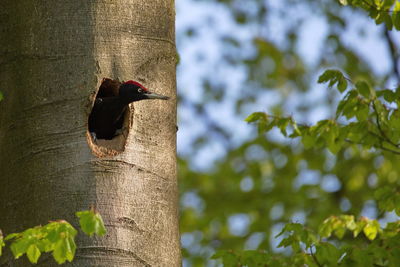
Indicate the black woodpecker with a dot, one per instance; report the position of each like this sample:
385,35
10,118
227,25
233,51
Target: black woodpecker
106,118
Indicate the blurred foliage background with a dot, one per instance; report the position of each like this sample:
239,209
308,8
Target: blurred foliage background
240,187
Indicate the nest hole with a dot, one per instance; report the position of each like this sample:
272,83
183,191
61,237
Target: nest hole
108,122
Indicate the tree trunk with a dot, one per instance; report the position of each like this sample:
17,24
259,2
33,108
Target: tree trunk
53,57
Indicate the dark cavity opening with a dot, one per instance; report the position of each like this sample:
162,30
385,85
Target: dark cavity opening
108,122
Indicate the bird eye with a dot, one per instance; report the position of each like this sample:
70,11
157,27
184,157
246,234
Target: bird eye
140,90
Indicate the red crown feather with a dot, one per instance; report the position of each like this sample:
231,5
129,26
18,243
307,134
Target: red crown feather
136,83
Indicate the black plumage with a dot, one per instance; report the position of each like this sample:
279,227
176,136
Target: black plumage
107,115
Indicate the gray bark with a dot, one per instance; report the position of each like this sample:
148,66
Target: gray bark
53,56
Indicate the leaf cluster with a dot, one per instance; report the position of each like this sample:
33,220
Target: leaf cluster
91,222
364,117
382,12
56,237
313,249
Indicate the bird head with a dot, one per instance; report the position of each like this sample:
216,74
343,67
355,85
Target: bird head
131,91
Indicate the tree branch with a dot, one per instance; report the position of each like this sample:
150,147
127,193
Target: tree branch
380,147
314,258
393,53
378,124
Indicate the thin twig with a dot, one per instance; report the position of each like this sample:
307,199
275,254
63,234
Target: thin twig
348,79
314,258
378,124
390,150
380,147
393,53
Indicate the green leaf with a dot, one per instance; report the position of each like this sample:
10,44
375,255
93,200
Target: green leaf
33,253
325,230
296,130
11,236
1,96
291,241
362,112
64,250
381,111
396,16
359,228
349,221
327,76
254,258
371,229
363,89
282,124
71,248
57,236
389,95
397,204
91,222
392,229
308,141
60,252
342,84
373,13
340,107
327,254
256,116
386,4
331,137
229,259
296,233
263,124
388,21
339,231
384,17
348,106
19,247
334,77
384,197
291,227
2,244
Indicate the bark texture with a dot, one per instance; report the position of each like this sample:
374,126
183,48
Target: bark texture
53,56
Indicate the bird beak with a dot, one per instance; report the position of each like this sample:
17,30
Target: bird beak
150,95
